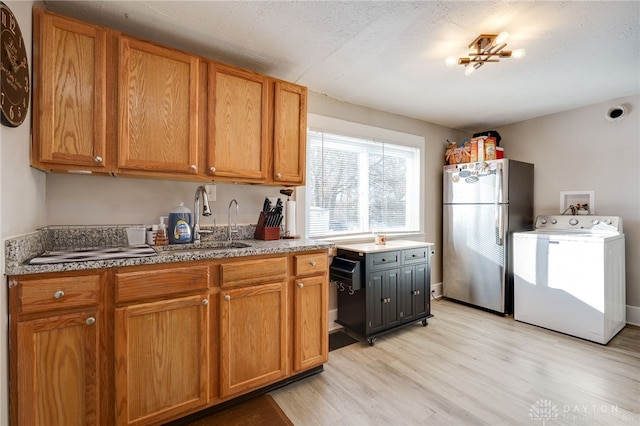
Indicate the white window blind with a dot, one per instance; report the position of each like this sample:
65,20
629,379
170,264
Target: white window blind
357,186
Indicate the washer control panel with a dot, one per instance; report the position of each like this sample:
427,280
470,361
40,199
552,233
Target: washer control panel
579,223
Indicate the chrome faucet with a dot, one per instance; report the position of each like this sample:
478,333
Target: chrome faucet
206,211
231,231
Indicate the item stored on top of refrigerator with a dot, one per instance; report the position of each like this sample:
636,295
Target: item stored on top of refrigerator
483,204
489,133
483,148
457,154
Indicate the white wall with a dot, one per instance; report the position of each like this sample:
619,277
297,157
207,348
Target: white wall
581,150
21,198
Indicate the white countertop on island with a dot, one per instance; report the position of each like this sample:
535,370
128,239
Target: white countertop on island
389,246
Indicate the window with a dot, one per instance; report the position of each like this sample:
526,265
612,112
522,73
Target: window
358,186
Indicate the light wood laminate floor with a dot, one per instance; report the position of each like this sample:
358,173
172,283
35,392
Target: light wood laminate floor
470,367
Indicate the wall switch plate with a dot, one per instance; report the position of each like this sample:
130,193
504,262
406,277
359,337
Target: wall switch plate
211,191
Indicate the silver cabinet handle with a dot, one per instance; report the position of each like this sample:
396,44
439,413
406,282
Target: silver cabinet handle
193,167
212,169
300,285
313,263
227,297
58,294
278,175
90,321
98,159
205,302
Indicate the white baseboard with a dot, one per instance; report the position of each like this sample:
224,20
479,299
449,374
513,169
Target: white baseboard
436,289
333,316
633,315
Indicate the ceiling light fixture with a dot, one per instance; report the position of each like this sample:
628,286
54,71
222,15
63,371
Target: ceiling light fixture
488,48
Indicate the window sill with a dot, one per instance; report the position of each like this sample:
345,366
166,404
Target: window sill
366,238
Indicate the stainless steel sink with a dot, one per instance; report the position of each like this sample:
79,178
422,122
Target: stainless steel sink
176,249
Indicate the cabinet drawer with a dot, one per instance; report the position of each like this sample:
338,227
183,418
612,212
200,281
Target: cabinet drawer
145,284
418,255
253,272
384,260
58,293
307,264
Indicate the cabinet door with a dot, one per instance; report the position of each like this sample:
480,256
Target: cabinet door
161,358
238,142
289,134
252,337
311,342
383,310
158,105
375,303
57,361
391,307
420,292
414,292
406,293
69,111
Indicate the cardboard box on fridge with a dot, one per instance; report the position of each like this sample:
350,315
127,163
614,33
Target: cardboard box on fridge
485,146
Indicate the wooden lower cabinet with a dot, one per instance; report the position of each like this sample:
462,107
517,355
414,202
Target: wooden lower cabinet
161,355
253,343
57,362
144,345
311,335
55,332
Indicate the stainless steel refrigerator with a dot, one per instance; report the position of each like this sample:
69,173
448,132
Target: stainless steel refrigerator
484,203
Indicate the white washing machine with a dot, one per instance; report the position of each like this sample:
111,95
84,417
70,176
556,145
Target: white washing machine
569,276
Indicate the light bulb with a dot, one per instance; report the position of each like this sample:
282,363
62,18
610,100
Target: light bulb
451,60
501,38
469,69
518,53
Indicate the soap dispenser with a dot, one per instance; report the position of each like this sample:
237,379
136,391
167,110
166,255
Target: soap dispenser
180,225
161,236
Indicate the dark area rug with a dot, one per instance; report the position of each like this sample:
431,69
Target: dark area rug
340,339
261,410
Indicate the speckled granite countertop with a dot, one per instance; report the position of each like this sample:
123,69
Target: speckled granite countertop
19,250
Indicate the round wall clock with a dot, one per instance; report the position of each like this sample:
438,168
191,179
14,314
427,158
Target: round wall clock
14,78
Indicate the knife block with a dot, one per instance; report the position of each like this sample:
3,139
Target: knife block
266,232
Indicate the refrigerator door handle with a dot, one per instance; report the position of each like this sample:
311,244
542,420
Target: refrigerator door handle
498,206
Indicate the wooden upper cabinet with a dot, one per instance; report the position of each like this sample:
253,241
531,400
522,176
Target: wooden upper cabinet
109,103
70,94
238,140
289,133
158,106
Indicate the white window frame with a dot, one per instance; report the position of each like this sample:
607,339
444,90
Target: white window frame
362,131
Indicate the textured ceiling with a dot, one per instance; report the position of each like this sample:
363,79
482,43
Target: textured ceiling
391,55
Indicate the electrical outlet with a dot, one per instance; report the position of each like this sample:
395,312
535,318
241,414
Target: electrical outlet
211,191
